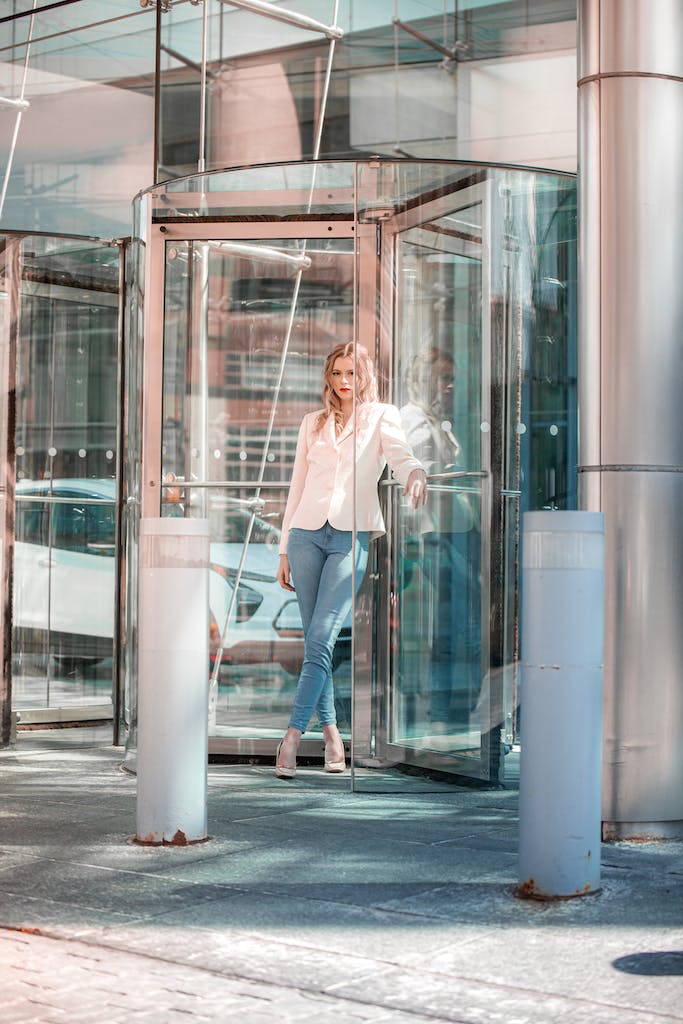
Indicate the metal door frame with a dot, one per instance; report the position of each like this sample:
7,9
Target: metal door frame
160,232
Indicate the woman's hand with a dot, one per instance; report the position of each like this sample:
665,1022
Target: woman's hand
283,574
416,487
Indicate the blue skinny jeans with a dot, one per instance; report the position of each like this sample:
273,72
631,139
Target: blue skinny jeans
321,564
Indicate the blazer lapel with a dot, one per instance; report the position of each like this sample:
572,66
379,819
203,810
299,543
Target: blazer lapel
348,429
330,431
368,415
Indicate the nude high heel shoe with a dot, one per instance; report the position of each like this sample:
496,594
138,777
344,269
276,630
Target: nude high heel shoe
334,766
281,770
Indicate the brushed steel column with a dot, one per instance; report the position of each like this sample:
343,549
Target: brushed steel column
630,82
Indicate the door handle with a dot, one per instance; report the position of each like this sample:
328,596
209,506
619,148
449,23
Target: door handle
459,474
456,474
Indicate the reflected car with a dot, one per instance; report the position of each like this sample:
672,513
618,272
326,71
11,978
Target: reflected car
264,626
64,581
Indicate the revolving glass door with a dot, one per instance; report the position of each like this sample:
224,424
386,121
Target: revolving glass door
248,278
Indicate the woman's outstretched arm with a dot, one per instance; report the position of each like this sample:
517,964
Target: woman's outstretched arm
406,468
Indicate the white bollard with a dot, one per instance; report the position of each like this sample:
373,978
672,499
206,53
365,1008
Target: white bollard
173,684
561,704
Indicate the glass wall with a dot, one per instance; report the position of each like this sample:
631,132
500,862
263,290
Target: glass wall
408,79
114,95
66,450
84,143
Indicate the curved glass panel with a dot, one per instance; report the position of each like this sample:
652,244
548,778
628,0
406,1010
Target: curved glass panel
282,193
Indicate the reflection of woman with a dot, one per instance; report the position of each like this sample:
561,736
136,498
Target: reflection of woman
450,543
317,530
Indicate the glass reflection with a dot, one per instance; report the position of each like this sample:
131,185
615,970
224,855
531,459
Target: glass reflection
441,568
438,668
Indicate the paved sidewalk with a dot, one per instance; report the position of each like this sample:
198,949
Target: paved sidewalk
311,904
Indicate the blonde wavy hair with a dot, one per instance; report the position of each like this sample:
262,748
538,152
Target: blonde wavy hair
366,382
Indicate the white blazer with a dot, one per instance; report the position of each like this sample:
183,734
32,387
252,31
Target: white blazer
322,483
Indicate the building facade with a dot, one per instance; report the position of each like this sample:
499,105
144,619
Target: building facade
402,173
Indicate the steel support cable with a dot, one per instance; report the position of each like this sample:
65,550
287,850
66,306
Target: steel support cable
458,51
256,502
397,132
182,59
20,105
201,163
68,31
45,7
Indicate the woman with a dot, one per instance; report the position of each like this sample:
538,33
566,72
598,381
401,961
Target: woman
317,529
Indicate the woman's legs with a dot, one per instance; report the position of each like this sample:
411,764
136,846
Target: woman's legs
322,566
324,594
307,558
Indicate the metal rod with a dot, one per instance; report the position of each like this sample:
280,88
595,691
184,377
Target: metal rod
156,158
201,163
458,474
39,10
265,253
182,59
20,111
15,104
49,498
354,535
187,343
268,255
203,370
451,54
323,102
51,523
269,10
120,560
69,31
191,485
397,133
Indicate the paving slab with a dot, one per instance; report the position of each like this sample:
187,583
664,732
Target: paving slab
311,903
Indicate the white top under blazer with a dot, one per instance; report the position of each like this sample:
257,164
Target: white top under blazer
321,489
